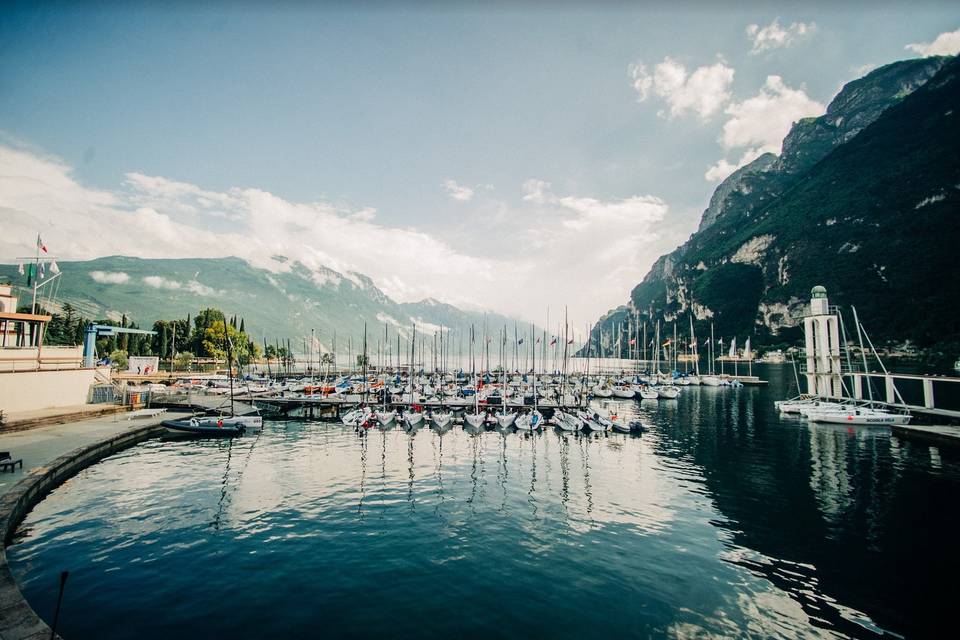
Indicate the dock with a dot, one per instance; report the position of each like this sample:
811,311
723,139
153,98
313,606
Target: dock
940,433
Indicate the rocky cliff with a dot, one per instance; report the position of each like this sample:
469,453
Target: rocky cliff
863,199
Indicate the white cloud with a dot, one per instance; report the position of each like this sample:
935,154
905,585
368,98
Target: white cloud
582,250
155,217
201,289
159,282
109,277
945,44
861,70
774,36
458,192
516,256
193,286
723,168
704,91
589,211
760,123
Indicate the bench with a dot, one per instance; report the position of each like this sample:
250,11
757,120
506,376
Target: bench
6,462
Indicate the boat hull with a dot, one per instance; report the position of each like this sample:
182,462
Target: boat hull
191,427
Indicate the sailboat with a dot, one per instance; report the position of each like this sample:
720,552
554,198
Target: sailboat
533,419
590,421
477,419
441,419
362,415
385,416
505,417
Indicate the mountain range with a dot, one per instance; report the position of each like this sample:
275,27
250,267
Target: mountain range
863,200
285,302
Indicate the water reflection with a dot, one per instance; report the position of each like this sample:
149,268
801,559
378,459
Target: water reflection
722,520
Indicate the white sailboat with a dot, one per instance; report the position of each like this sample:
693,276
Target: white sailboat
476,419
505,417
534,419
413,419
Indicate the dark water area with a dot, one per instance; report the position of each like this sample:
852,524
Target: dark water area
723,520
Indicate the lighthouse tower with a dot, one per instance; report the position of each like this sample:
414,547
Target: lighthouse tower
821,330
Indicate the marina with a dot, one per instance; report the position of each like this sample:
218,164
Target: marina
506,321
478,507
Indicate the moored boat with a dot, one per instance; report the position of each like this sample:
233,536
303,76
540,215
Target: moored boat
194,427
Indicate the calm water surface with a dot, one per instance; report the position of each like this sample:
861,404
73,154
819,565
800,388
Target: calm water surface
723,520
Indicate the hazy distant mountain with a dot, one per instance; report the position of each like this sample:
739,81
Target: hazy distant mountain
863,200
275,305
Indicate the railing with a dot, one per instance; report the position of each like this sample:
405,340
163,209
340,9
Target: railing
909,391
40,359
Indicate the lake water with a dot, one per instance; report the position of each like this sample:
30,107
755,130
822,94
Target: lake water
723,520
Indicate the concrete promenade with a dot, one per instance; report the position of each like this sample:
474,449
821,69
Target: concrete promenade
40,445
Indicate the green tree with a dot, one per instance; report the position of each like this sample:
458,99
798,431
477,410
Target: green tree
215,345
205,320
183,361
118,359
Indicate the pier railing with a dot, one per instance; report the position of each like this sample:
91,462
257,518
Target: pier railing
926,394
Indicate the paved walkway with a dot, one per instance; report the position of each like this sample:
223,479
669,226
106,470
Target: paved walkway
39,446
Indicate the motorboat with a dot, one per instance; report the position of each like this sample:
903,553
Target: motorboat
204,429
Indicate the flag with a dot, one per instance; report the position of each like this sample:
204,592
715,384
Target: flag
42,272
746,350
733,347
538,341
570,341
53,267
667,343
553,342
20,269
40,244
30,274
520,341
705,342
633,341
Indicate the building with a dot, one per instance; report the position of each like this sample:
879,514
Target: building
821,329
35,376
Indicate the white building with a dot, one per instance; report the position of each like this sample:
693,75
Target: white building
34,376
821,328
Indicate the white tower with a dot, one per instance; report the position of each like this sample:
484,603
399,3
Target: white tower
822,336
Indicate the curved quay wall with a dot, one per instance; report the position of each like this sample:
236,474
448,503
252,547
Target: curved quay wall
18,621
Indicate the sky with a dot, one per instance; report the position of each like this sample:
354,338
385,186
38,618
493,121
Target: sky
504,156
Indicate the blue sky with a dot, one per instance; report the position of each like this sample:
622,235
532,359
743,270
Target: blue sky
374,113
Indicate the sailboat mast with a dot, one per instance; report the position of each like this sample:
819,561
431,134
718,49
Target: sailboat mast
364,363
226,338
863,353
533,355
